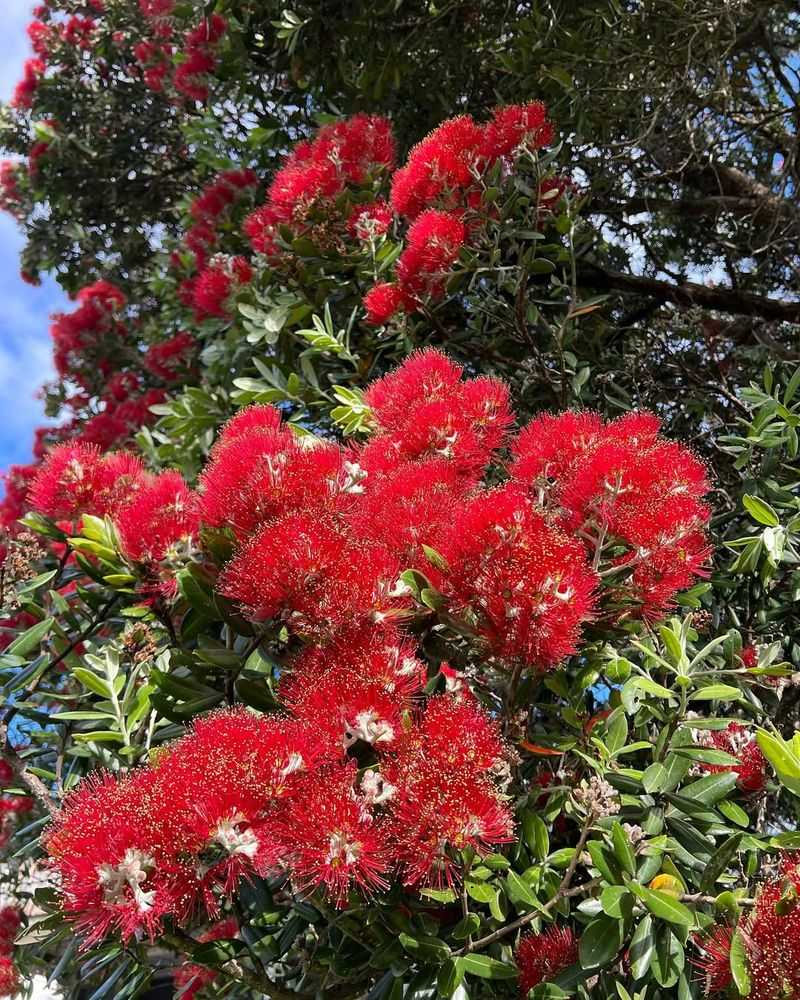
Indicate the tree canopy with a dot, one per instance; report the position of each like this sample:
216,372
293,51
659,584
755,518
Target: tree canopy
404,601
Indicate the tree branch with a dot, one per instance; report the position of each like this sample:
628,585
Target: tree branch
688,293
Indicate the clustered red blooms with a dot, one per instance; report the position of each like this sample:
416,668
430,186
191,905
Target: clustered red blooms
11,199
199,58
213,288
171,359
190,978
245,795
619,484
439,190
771,938
751,771
542,957
26,88
10,922
211,205
87,336
344,156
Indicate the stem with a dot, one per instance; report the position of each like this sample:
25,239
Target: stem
563,892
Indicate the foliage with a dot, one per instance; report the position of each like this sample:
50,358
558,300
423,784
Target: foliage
336,667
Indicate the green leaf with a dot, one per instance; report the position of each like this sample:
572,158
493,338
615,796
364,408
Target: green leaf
623,849
710,789
664,906
450,977
425,947
519,893
654,777
600,942
30,639
642,948
487,968
719,861
91,681
534,832
738,960
611,899
716,692
760,510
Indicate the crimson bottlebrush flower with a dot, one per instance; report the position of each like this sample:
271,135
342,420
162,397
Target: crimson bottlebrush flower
42,38
171,358
749,656
217,283
156,8
83,339
191,77
384,301
772,941
76,479
329,838
261,473
369,221
715,961
342,154
443,795
444,162
425,411
751,771
113,871
516,126
432,247
10,922
33,70
525,584
302,570
407,506
10,194
78,31
542,957
618,482
160,516
10,981
378,653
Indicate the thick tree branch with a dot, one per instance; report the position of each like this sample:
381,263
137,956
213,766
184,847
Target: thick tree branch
688,293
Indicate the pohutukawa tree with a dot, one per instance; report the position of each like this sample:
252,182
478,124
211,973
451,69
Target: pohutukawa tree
402,601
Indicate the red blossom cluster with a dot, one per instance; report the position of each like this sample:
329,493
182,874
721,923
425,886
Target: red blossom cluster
211,205
618,484
86,338
199,58
771,937
439,191
33,71
212,289
171,359
736,740
10,921
543,957
11,199
342,157
245,795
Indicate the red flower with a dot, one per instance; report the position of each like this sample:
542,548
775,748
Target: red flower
10,921
383,301
516,126
10,982
438,168
751,771
303,571
369,221
715,962
432,247
329,836
543,957
217,283
171,359
161,515
525,584
343,154
26,88
75,479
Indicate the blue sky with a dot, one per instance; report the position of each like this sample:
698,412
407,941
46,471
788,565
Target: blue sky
24,311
